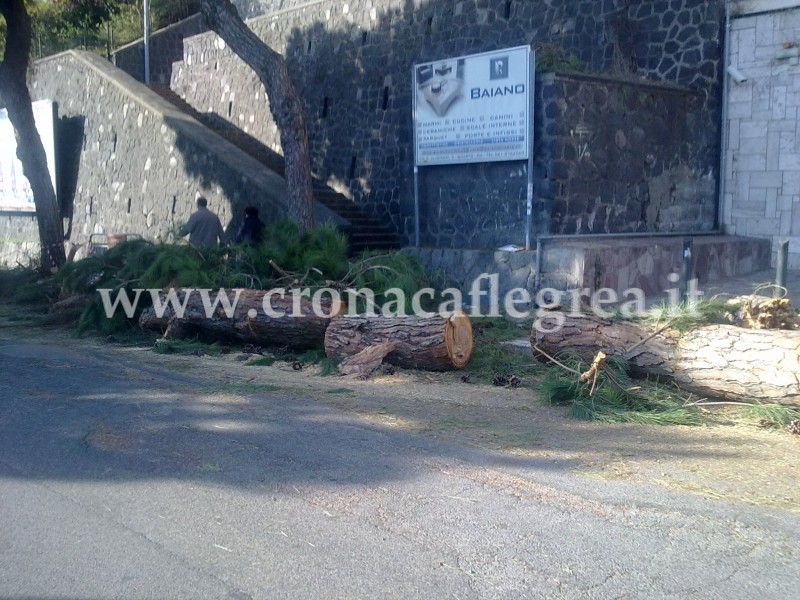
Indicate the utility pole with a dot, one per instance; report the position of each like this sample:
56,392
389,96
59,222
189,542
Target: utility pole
146,10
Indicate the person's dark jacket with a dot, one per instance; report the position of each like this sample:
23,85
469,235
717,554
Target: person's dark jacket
250,232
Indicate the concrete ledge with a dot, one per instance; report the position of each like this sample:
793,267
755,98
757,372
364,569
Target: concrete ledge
645,262
612,262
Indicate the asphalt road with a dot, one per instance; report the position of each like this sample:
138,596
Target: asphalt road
119,480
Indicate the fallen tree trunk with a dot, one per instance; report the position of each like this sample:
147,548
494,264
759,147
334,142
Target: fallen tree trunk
438,343
715,360
249,322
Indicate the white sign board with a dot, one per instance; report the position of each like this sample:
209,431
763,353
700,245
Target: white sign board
473,108
15,190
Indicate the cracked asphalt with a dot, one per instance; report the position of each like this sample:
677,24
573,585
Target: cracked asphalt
119,479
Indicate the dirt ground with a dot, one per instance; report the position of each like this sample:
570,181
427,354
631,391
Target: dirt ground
725,459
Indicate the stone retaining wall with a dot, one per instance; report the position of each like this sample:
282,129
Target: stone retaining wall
134,163
352,63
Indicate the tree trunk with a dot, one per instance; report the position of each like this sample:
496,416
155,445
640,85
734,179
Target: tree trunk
715,360
436,343
302,332
284,102
30,151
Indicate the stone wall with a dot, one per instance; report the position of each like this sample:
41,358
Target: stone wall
460,268
166,47
19,240
132,163
762,176
616,156
352,62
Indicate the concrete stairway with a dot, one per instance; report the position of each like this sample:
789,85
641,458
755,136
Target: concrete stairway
366,233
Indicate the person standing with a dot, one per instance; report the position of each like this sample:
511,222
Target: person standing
251,230
203,227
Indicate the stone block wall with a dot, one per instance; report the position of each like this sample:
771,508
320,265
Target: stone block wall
137,164
617,156
166,47
352,63
762,175
19,240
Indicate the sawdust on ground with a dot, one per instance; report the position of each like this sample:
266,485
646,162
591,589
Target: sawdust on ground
725,459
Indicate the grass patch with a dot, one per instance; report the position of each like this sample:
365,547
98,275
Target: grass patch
498,329
264,361
772,416
313,356
490,359
615,398
186,347
340,391
330,365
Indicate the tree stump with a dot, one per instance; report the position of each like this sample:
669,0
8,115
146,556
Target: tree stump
438,343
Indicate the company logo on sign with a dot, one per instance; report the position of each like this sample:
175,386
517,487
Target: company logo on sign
507,90
498,68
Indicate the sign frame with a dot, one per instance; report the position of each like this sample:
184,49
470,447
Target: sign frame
459,132
15,191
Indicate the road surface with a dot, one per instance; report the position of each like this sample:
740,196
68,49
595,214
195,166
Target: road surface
125,480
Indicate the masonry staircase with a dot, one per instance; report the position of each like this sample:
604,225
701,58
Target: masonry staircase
366,233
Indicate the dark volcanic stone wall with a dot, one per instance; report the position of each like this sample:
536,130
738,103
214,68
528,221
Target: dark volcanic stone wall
352,62
616,156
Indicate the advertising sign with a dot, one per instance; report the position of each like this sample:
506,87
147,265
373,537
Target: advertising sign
15,190
473,108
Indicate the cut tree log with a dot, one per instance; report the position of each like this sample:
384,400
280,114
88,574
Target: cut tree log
249,323
438,343
714,360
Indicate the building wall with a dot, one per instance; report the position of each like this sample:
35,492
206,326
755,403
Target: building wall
762,175
352,63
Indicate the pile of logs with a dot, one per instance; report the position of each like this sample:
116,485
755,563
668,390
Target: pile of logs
435,343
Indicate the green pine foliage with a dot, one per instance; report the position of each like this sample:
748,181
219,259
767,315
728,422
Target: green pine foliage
381,271
27,287
317,254
773,416
315,258
685,317
615,397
